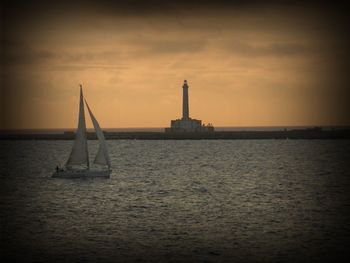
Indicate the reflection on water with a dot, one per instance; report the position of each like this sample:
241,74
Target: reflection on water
206,201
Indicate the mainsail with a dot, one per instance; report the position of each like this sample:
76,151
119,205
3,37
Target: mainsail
102,156
79,154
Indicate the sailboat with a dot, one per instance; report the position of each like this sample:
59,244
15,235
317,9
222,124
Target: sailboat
78,164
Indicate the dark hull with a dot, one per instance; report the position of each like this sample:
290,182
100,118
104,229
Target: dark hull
81,173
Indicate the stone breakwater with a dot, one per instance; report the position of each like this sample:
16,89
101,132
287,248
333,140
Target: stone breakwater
219,135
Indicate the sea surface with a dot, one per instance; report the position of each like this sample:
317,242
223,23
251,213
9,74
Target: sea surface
178,201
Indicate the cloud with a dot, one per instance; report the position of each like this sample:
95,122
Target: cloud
279,49
25,55
168,46
177,46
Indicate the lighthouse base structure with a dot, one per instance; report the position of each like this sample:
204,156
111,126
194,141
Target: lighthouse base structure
189,125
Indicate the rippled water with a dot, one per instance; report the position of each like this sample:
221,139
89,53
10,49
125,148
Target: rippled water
199,201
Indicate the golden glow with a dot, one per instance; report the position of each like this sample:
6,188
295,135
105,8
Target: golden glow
244,68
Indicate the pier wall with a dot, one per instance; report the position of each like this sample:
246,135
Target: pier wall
217,135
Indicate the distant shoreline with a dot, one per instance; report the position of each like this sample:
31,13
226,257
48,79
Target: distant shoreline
161,129
309,133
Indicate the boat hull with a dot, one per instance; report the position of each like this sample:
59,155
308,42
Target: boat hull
81,173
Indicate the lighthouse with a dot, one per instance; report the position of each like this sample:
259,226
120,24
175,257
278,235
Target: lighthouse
185,109
187,124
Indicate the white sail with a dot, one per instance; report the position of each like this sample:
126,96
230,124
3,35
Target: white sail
102,156
79,154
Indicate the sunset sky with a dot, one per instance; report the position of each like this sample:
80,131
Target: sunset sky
246,64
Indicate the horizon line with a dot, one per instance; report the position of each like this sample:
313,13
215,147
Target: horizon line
162,127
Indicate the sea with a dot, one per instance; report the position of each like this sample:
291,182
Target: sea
178,201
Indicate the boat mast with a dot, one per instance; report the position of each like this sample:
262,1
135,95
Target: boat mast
82,105
79,154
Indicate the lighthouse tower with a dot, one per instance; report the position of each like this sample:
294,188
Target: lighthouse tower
187,124
185,110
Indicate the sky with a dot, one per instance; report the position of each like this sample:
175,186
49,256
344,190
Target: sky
246,63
